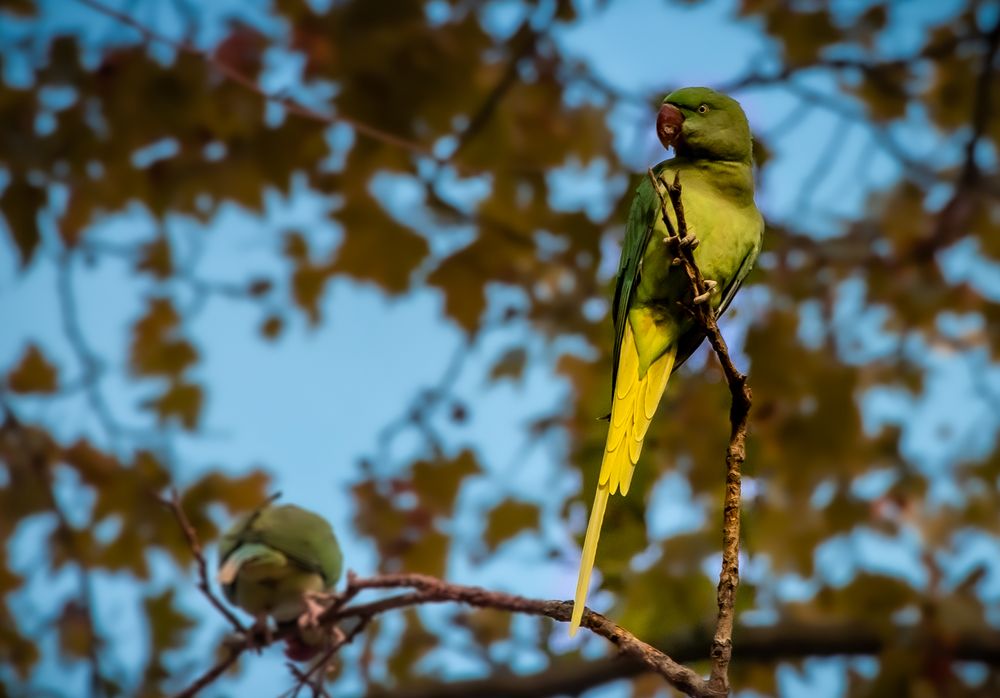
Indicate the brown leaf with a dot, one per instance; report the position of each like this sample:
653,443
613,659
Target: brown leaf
376,248
428,554
271,327
76,640
156,258
168,627
464,296
508,519
20,205
510,365
437,483
156,348
181,402
33,374
308,283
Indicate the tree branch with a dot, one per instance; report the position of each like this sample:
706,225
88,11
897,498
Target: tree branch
729,577
786,641
291,105
191,536
427,589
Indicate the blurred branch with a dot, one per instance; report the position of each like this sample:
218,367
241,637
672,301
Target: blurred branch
89,361
683,246
191,536
424,589
422,407
786,641
951,221
218,669
869,66
288,103
526,41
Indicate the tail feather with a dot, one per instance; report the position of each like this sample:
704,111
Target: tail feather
635,403
587,559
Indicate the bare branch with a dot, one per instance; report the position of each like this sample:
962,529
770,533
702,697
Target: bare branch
786,641
204,583
427,589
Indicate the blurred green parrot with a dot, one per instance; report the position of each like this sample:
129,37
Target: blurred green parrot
654,334
280,561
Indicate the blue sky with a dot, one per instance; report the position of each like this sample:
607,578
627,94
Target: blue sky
311,405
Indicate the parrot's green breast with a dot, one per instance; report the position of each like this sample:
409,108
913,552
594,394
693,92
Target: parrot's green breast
274,589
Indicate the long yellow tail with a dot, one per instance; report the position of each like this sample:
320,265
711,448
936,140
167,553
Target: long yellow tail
635,402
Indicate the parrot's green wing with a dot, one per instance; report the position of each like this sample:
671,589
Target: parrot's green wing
638,231
303,537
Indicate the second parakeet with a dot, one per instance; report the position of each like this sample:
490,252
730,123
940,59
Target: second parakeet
654,333
278,562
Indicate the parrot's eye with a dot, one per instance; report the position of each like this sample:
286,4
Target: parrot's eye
703,109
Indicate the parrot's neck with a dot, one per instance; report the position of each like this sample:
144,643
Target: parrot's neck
733,178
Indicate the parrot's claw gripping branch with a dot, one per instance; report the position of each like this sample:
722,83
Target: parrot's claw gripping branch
710,286
682,244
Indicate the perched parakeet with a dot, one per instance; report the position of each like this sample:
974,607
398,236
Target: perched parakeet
277,561
654,334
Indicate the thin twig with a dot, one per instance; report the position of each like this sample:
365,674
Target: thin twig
214,673
204,583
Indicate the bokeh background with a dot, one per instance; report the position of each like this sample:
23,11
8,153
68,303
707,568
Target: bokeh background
390,302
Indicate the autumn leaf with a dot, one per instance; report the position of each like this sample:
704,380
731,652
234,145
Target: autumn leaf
181,402
510,365
376,248
157,350
508,519
437,482
20,205
33,373
156,258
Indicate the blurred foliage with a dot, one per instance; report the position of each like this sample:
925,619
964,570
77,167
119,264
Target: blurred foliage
174,138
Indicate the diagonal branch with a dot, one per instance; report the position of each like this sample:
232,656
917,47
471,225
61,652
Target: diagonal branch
191,536
291,105
789,640
950,223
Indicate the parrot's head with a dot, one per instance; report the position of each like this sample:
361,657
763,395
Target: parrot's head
700,122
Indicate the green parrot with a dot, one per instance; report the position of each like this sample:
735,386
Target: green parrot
653,333
279,561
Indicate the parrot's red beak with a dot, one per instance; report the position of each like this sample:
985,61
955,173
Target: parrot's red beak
668,124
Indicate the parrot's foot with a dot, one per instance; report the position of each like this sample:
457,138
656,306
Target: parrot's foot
678,244
690,241
314,609
710,287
